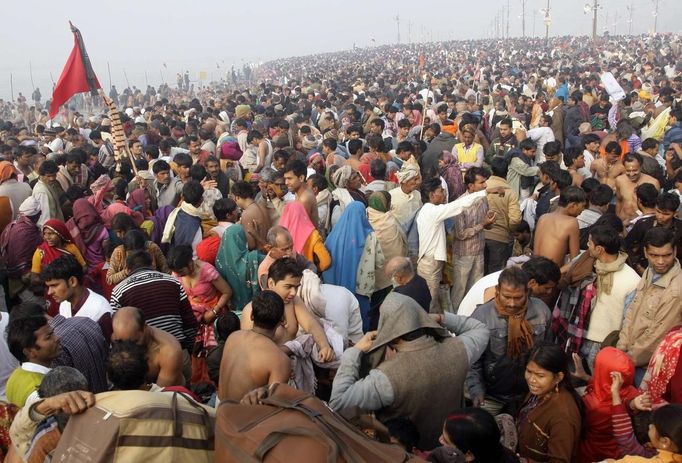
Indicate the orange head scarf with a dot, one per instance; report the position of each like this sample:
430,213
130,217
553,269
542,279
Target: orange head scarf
6,170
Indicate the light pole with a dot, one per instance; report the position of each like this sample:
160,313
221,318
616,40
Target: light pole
547,20
592,8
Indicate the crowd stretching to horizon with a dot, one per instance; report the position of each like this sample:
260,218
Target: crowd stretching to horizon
476,242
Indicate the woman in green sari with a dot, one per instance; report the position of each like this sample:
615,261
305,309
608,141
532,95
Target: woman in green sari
238,266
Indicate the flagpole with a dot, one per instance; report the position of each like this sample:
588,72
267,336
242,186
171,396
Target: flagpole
126,76
146,81
30,71
11,85
109,70
162,79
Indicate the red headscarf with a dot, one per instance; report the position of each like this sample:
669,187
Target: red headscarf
50,253
598,443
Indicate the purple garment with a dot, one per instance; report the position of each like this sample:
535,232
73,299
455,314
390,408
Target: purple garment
159,220
635,143
24,236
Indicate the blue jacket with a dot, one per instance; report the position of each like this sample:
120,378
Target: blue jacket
673,135
562,91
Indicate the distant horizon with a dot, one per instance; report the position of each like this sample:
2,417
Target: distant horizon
137,38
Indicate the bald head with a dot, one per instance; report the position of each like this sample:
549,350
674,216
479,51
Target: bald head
128,324
280,239
400,269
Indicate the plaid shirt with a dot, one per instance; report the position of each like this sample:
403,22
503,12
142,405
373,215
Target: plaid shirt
468,230
571,315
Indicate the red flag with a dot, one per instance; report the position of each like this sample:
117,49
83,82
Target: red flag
77,75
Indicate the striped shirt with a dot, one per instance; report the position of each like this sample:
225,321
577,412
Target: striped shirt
468,230
163,301
84,348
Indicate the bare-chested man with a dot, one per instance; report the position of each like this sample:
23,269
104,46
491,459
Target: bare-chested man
284,278
607,169
295,174
255,218
626,199
557,233
164,354
251,357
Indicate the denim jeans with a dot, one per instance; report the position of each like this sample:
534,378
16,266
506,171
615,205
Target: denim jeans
589,351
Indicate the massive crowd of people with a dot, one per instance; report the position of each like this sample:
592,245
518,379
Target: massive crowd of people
476,242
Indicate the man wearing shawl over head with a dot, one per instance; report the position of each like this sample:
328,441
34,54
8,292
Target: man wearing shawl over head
24,235
406,200
47,192
405,362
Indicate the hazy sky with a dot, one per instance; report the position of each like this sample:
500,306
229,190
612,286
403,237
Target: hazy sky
200,35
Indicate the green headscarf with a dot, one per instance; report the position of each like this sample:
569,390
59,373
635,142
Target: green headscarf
380,201
238,266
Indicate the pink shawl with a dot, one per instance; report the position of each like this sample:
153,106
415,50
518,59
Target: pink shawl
296,220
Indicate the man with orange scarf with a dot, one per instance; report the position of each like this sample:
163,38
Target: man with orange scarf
516,322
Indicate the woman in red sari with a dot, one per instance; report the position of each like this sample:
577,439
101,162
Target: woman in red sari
57,241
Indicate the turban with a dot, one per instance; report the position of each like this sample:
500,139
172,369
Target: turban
6,170
409,171
207,250
311,142
314,156
342,176
30,207
311,293
242,110
645,95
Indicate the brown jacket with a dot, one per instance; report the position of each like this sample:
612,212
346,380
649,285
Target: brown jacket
655,310
425,392
508,211
551,431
